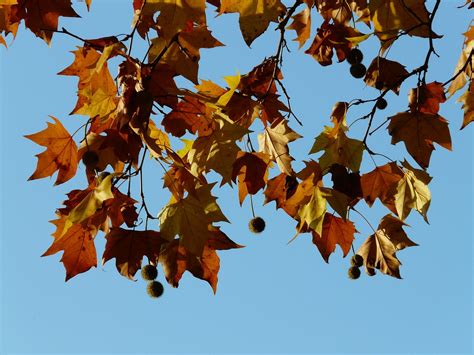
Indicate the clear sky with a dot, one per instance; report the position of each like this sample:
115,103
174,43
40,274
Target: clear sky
272,297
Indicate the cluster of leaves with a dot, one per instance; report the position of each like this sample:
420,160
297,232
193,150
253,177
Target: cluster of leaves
142,112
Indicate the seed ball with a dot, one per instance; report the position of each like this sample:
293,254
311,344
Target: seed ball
358,70
353,273
257,225
357,260
149,272
155,289
355,56
370,271
90,159
381,103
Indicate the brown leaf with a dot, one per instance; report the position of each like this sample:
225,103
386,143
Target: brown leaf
418,131
128,247
251,169
60,154
335,231
42,17
385,74
176,260
380,183
332,37
189,115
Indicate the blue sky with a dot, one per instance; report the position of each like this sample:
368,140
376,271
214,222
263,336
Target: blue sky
272,297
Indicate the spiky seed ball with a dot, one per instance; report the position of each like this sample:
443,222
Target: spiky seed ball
357,260
358,70
353,273
355,56
370,271
90,159
381,103
257,225
155,289
149,272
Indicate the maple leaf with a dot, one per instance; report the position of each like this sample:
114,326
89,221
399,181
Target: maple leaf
190,218
340,11
179,179
391,227
302,26
84,204
189,115
251,169
42,17
412,192
418,131
380,183
464,71
255,15
216,151
337,147
334,231
10,18
291,195
391,16
77,242
311,214
173,15
183,56
121,209
155,139
96,88
426,98
332,37
385,74
467,100
346,182
129,247
274,142
61,153
379,250
176,259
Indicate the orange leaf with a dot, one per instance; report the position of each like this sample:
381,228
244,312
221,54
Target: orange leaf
60,154
78,246
380,182
426,98
418,131
302,25
335,231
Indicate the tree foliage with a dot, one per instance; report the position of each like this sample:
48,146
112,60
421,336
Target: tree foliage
141,116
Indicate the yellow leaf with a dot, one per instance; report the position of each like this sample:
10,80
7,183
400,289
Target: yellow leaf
312,213
255,15
412,193
190,218
274,141
233,82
